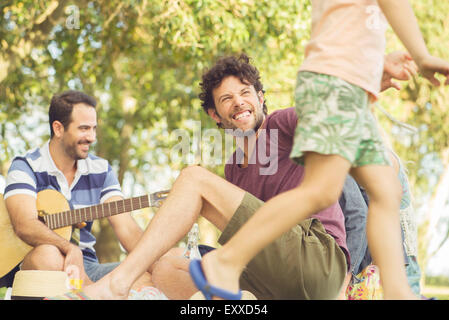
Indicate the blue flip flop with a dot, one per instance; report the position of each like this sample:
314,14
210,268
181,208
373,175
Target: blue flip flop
197,274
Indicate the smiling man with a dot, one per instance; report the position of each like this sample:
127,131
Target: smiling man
64,164
232,94
242,105
308,262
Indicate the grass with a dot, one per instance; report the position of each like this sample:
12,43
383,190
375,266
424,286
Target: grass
2,293
439,292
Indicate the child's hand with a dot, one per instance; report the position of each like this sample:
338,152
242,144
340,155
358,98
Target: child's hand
398,65
430,65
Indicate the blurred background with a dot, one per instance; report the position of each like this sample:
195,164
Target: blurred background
143,62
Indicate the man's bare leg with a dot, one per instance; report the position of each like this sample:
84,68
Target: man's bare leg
195,192
148,277
145,280
171,276
48,257
44,257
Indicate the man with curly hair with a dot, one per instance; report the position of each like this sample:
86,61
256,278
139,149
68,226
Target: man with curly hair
310,261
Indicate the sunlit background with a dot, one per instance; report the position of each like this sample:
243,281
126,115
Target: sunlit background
143,61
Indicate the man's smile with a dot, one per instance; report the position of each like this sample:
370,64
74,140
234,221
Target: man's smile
242,114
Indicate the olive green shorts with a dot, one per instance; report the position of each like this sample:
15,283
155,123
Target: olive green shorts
304,263
334,117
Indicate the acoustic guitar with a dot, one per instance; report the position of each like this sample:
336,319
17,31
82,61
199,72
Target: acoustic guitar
54,211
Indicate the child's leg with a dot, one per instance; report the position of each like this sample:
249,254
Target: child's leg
383,228
321,187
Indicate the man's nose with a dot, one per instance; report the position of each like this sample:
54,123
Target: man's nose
238,101
91,135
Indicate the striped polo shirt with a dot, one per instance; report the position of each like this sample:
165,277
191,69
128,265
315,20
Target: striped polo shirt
94,183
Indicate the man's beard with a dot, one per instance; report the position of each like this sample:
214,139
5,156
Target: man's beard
237,132
71,151
224,124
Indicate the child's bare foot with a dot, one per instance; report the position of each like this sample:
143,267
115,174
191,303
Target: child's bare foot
220,273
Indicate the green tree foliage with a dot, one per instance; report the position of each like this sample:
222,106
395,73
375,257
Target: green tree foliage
143,61
426,152
437,280
144,58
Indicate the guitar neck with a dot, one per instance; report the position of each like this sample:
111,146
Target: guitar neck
71,217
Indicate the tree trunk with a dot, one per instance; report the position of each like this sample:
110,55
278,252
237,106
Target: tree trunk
428,227
107,247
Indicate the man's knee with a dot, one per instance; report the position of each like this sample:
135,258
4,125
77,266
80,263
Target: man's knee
161,269
193,173
174,252
198,178
171,275
166,267
44,257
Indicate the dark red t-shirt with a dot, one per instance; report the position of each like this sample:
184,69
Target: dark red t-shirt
270,174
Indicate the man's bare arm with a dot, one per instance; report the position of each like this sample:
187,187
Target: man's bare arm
23,214
125,227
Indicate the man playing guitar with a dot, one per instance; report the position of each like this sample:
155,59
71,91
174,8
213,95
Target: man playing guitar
64,164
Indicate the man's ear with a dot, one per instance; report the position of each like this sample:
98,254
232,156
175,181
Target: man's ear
58,128
261,97
213,114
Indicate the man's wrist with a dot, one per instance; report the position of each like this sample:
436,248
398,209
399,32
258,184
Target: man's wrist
67,246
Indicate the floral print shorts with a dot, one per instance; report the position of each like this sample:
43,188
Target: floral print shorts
334,117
